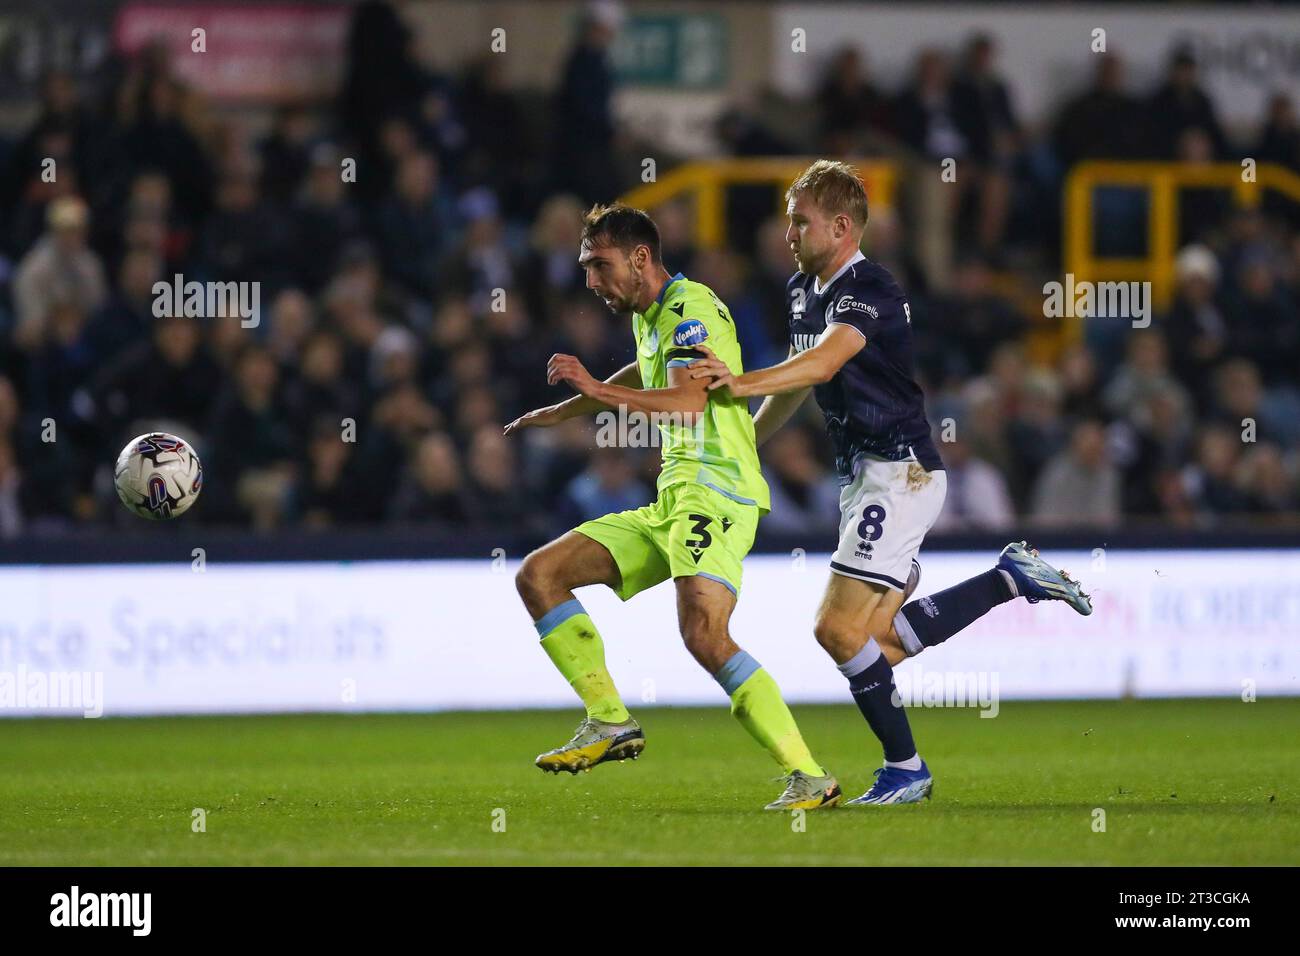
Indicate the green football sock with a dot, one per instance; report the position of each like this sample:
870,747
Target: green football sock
574,646
756,702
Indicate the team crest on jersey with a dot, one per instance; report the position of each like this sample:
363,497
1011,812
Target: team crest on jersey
690,332
652,340
847,302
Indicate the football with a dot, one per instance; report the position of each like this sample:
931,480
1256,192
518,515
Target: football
158,476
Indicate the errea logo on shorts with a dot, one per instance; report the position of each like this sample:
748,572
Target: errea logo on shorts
690,332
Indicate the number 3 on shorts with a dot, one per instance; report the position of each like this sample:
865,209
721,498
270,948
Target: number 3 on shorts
699,525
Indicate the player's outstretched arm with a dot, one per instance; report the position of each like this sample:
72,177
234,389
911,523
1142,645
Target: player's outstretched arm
816,366
775,411
684,395
629,376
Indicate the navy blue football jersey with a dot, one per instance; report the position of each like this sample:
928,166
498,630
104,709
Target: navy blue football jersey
872,404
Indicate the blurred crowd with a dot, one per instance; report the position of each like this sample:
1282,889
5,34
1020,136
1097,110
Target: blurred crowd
408,311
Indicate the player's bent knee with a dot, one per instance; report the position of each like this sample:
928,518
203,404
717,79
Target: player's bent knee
832,633
531,579
707,639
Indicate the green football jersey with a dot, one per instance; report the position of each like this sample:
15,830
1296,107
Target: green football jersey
719,450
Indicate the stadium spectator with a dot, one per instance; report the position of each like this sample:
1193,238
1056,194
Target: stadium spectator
853,114
584,132
1143,374
246,239
676,221
1210,479
1179,105
331,492
495,501
976,320
1104,122
547,273
382,86
1195,326
1149,444
724,271
1079,487
497,136
286,152
984,112
805,498
926,116
59,270
1080,387
57,143
326,221
482,263
432,491
1036,429
11,488
156,133
170,370
607,485
253,473
320,388
398,421
978,498
127,315
1279,141
414,225
1263,476
1265,327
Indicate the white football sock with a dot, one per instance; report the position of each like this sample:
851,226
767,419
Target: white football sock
911,763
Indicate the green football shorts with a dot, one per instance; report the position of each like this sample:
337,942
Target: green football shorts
689,530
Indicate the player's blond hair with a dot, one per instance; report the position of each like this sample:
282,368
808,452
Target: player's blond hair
835,188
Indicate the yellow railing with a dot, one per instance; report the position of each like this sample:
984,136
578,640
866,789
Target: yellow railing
1162,181
706,182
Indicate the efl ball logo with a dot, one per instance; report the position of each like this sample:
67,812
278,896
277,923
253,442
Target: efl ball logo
158,476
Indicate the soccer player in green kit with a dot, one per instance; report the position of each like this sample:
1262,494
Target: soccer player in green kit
710,497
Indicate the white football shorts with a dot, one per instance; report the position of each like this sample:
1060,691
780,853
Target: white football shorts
885,512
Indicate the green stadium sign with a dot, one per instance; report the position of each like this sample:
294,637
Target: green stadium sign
687,51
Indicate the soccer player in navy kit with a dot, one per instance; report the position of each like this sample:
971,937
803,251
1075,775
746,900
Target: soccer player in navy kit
851,344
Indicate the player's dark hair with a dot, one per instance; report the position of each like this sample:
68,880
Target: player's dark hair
621,226
835,188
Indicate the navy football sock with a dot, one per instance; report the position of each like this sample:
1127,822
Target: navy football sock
871,680
934,619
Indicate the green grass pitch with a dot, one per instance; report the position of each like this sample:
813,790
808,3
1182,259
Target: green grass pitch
1181,782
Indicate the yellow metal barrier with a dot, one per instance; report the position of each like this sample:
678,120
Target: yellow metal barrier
1162,181
706,182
